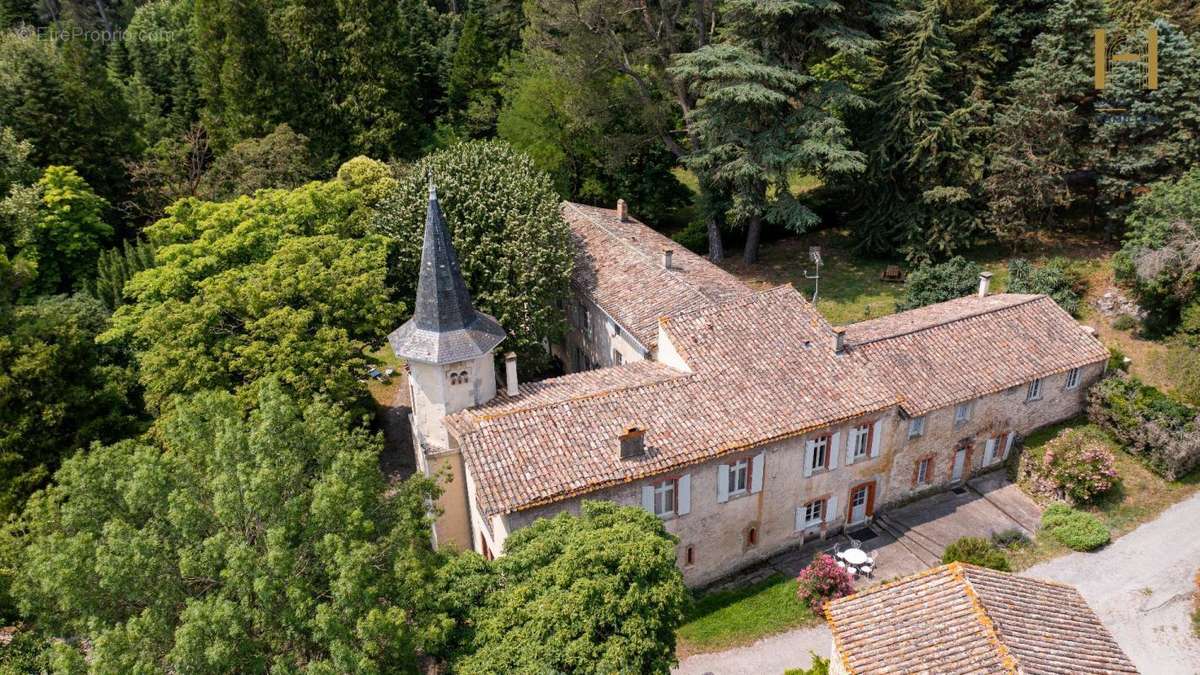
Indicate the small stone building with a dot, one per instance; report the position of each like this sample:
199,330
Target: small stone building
958,619
742,418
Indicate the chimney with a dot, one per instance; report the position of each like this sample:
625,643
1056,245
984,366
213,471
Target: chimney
667,253
510,374
622,211
839,340
985,280
633,442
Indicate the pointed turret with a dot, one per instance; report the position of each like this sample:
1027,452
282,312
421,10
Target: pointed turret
445,326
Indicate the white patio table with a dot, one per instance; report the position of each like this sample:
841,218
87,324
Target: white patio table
854,556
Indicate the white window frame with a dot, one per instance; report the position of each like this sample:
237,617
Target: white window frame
809,519
661,489
962,413
739,472
820,456
1034,392
923,467
859,446
916,427
1073,378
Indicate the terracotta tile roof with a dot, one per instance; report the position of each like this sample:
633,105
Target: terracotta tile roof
964,619
575,385
618,265
763,366
960,350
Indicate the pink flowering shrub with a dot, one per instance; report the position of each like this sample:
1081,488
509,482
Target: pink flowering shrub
823,581
1076,465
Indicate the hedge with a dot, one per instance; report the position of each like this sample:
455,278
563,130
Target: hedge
1077,530
1164,432
976,551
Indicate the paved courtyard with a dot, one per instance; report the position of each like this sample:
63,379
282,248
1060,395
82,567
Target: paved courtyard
1140,585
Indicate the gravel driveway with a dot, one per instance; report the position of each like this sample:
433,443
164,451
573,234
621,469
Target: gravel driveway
1140,585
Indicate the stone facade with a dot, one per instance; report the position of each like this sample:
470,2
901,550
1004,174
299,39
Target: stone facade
991,417
595,340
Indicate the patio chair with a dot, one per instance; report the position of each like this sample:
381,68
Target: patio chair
868,569
835,550
854,543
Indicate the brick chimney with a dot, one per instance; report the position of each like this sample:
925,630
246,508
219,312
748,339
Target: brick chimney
667,254
622,211
985,281
510,374
633,442
839,340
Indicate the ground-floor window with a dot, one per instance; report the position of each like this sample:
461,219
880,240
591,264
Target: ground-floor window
752,536
814,512
923,471
689,555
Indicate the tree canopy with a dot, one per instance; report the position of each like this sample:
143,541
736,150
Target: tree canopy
289,284
513,245
234,542
593,593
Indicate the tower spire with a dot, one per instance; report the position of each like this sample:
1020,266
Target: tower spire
445,326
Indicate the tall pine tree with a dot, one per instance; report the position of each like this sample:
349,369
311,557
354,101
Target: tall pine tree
927,137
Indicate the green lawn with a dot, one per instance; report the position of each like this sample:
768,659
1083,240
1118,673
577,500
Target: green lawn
724,619
1138,497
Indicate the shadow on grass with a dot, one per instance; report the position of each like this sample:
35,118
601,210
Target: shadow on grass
724,619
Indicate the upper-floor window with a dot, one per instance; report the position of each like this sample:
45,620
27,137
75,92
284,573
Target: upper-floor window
617,359
739,477
820,453
666,497
1035,390
859,442
916,426
459,377
962,413
1072,378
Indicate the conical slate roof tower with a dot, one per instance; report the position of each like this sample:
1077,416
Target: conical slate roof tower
445,326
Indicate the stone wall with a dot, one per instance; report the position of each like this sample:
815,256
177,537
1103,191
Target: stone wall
598,336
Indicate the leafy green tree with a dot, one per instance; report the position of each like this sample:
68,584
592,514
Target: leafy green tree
15,168
593,44
59,98
234,542
1055,279
160,78
930,284
115,268
365,81
288,284
513,245
758,124
1160,257
592,156
281,159
58,391
70,230
1157,135
594,593
927,137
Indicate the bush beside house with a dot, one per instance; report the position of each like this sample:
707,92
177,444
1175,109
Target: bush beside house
1153,426
823,581
1077,465
1077,530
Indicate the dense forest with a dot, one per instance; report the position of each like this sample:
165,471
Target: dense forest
210,215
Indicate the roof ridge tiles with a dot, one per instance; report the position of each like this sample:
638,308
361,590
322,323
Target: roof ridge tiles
640,253
946,321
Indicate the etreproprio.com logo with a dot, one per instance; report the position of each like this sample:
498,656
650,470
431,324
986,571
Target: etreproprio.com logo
65,33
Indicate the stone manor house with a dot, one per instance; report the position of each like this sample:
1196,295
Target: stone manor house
742,418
